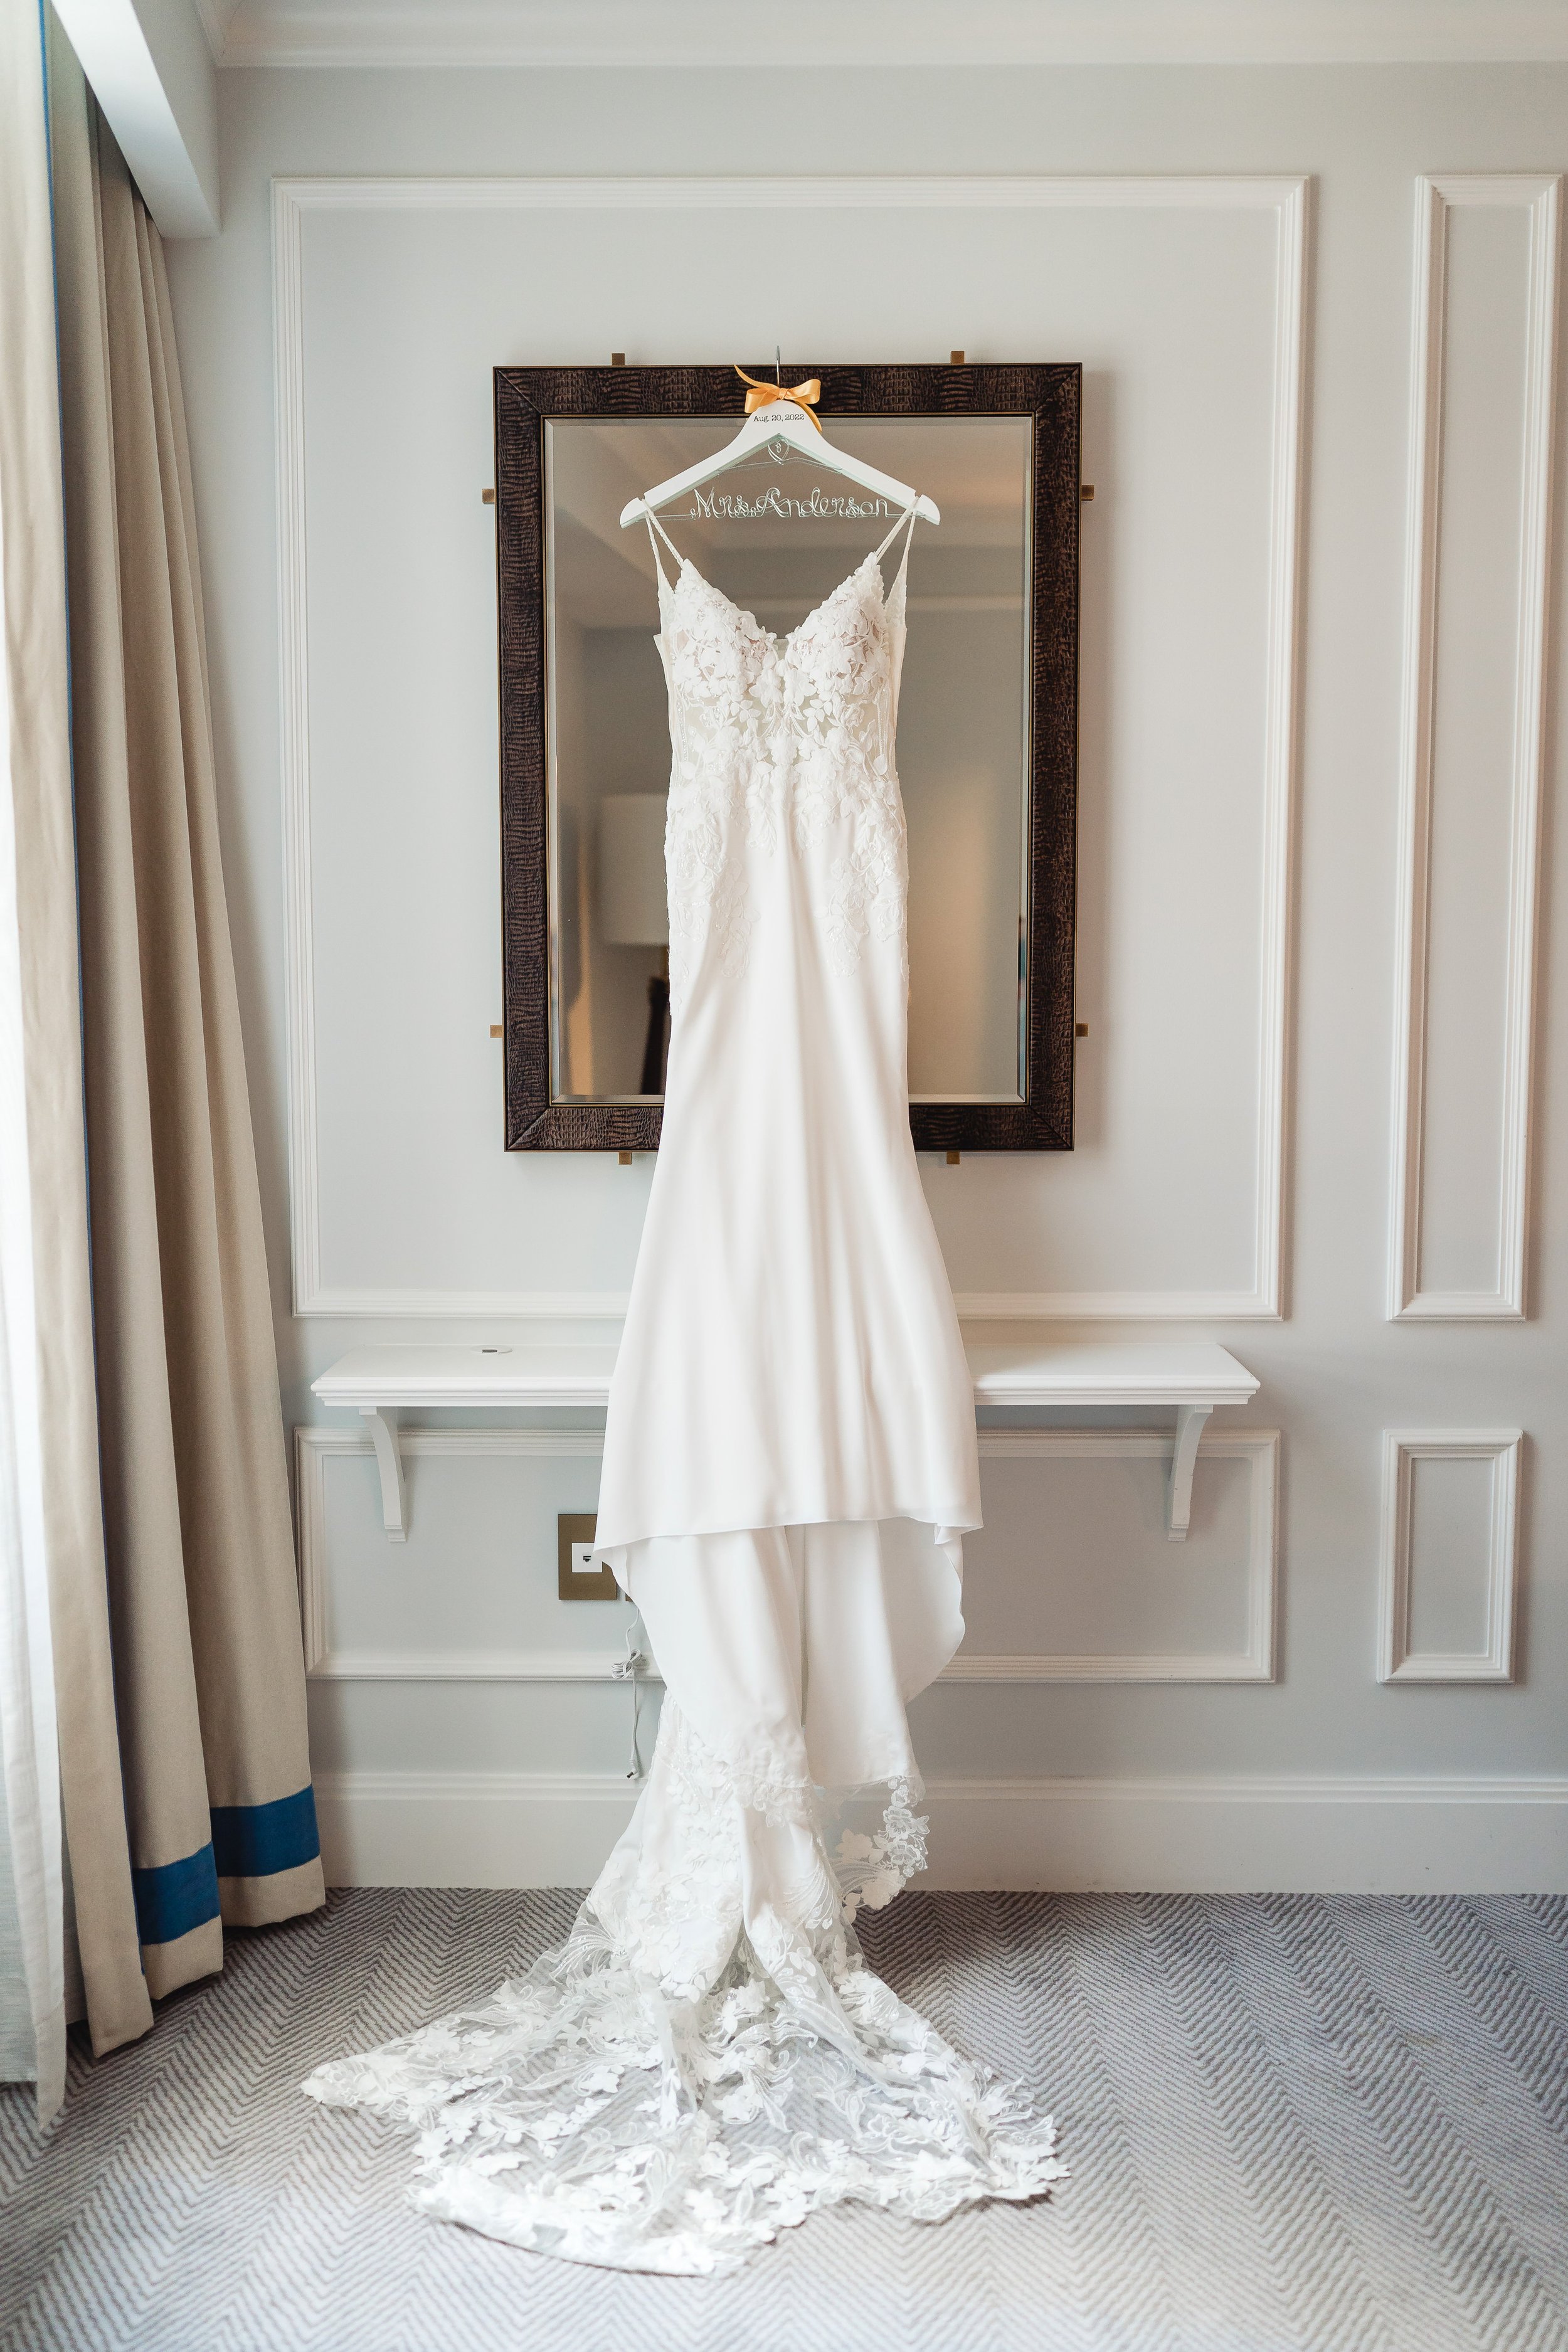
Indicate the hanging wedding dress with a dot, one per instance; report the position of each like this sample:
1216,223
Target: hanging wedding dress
789,1470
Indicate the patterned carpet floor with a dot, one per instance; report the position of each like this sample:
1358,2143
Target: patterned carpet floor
1295,2124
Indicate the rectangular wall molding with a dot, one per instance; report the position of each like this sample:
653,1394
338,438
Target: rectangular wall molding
1253,1662
1395,1834
312,1448
1498,1450
1411,1296
973,1306
1285,196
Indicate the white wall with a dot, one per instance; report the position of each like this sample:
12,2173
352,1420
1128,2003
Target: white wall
1217,1182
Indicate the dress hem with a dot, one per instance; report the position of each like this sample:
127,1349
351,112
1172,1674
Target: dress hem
948,1528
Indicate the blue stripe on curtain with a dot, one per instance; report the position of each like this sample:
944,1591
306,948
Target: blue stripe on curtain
248,1842
255,1841
176,1898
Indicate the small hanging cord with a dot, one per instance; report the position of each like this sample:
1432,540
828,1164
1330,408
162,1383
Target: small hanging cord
626,1670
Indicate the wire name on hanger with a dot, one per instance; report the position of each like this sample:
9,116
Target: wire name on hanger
820,505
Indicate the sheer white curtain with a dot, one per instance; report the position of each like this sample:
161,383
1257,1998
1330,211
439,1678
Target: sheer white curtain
18,2044
35,863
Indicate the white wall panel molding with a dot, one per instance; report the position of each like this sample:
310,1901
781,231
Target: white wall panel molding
1496,1573
312,1446
1398,1834
491,33
973,1306
922,192
470,1306
1285,196
293,648
1254,1662
1410,1296
1260,1305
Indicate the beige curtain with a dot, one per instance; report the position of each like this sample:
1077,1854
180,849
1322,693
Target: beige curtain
208,1672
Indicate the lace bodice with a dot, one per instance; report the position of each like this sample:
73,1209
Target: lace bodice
783,747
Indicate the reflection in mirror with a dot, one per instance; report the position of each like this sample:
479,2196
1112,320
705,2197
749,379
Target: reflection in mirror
777,534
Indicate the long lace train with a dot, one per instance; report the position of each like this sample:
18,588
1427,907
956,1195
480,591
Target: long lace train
707,2058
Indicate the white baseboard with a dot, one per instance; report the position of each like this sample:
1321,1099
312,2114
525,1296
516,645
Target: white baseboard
1403,1835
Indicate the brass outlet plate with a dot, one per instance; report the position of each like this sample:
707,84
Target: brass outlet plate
573,1528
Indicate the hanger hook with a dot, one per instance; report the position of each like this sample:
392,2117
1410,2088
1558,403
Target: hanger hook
778,364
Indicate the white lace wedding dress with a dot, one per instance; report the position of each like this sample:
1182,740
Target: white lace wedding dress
789,1470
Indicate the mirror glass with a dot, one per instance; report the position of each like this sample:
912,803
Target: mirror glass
777,534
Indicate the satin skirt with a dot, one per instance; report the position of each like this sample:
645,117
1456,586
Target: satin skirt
792,1652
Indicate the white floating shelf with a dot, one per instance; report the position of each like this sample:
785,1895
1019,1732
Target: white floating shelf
375,1378
1192,1376
1095,1372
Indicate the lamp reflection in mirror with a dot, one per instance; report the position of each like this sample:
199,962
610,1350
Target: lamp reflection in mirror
634,906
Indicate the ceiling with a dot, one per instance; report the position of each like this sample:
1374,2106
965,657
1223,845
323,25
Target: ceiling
877,32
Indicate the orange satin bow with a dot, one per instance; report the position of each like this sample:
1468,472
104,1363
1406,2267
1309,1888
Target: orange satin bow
805,395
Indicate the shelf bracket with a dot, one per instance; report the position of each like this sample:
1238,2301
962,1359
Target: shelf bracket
389,1461
1191,1421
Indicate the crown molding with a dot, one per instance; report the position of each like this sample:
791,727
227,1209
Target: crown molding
215,17
880,33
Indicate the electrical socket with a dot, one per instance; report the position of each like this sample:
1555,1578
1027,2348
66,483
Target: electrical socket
577,1577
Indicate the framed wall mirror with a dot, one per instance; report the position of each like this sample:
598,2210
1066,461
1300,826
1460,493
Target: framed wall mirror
988,721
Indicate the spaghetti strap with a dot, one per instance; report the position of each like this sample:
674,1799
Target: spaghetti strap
654,524
907,517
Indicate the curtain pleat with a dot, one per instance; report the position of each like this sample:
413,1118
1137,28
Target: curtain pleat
208,1668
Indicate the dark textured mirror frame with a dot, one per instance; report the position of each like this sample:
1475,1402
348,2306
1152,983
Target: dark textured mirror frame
524,398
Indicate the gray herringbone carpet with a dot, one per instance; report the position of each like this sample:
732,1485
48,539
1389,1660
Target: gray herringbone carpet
1295,2124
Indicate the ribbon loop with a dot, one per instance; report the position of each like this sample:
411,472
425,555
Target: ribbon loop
806,395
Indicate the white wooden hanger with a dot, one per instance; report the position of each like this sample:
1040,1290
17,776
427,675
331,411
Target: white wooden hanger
781,414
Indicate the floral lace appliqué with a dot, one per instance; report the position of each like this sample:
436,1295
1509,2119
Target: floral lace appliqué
779,740
699,2066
